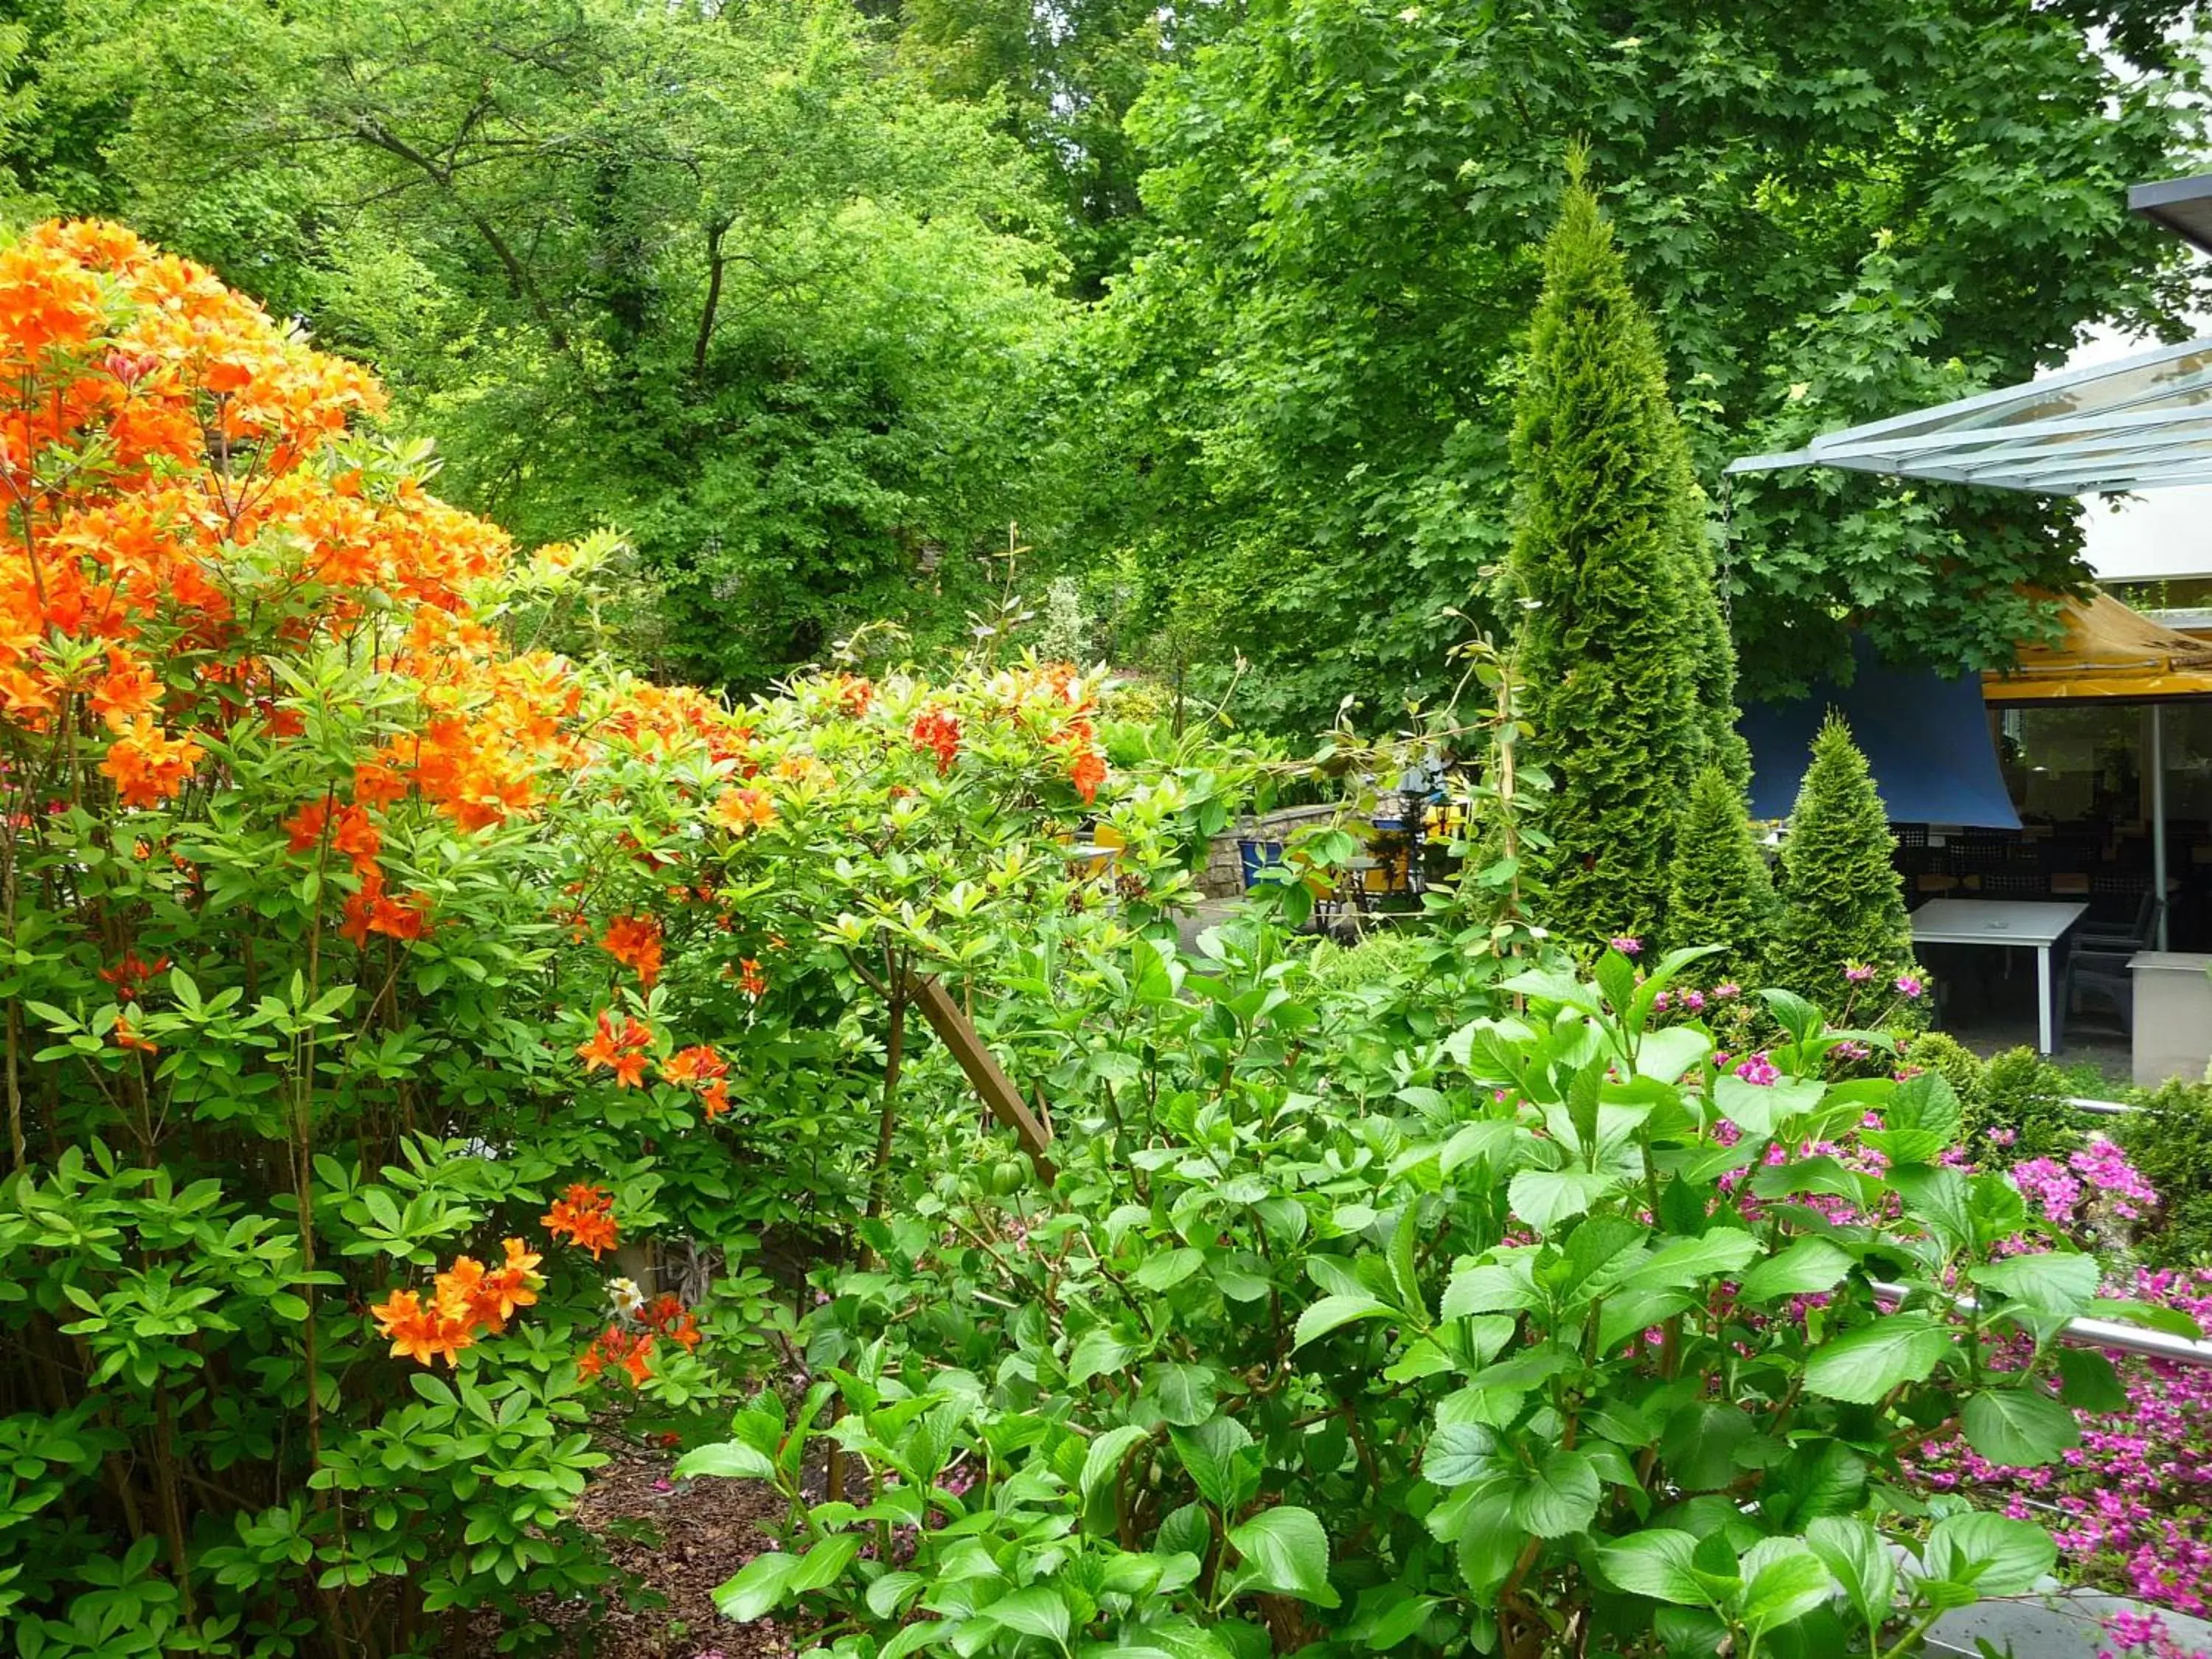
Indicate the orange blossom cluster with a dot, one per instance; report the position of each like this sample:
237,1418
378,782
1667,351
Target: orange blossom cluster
467,1300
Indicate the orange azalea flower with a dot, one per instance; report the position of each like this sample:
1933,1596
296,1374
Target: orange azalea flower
585,1216
667,1316
127,690
465,1301
127,1038
740,809
624,1052
632,1355
750,980
635,941
696,1065
420,1333
1087,773
128,976
147,765
937,730
715,1097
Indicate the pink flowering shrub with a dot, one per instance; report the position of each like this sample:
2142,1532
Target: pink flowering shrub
2128,1506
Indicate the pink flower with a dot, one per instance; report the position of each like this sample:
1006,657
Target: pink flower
1694,1001
1627,944
1660,1003
1858,972
1728,992
1907,986
1758,1069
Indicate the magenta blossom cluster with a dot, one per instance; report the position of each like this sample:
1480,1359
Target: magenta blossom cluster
1758,1069
2127,1504
2131,1635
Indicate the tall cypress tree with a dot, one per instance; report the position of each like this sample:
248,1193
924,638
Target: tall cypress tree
1723,894
1621,634
1842,903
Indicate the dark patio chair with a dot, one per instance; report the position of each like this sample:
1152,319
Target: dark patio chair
2097,958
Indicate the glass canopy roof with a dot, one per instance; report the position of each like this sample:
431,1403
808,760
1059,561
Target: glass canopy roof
2141,422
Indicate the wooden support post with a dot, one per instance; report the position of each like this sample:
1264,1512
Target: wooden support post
985,1075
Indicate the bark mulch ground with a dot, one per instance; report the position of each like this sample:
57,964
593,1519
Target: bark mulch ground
680,1539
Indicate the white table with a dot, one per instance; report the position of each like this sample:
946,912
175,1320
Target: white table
2034,923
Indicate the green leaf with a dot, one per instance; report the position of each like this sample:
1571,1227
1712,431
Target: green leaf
825,1562
887,1596
1559,1497
1853,1551
1995,1555
1037,1611
1184,1393
1687,1262
1286,1551
1459,1452
2021,1428
1098,1353
758,1588
1666,1053
1544,1197
1332,1311
732,1460
1655,1564
1168,1268
1103,1461
1807,1267
2089,1382
1209,1453
2056,1283
1784,1580
1863,1365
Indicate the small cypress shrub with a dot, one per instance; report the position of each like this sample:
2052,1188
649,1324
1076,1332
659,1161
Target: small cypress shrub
1722,894
1608,556
1842,904
2168,1138
2018,1110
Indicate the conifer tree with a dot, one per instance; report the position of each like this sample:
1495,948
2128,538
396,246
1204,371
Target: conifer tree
1842,904
1722,894
1609,559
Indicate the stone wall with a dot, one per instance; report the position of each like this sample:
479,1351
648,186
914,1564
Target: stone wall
1224,872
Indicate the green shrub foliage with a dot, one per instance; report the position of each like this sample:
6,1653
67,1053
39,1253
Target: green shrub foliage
1939,1051
2168,1138
2020,1109
1842,905
1721,892
1620,636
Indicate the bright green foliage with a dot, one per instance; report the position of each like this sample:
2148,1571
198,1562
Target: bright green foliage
1835,213
1607,560
2168,1138
1061,78
1331,1332
727,278
1939,1051
1842,904
1722,890
2019,1109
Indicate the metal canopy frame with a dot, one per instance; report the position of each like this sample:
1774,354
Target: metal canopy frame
2141,422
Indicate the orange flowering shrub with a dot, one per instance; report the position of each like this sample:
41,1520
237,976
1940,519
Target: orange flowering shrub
343,927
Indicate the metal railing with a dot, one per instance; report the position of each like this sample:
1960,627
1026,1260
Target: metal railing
2108,1334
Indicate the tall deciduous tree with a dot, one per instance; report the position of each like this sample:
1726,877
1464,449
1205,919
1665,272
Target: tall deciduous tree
1609,562
1842,907
725,276
1835,213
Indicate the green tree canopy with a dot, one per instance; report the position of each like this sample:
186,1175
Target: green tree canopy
1834,213
726,276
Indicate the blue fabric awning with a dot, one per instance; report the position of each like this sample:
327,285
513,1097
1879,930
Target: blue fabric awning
1926,739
